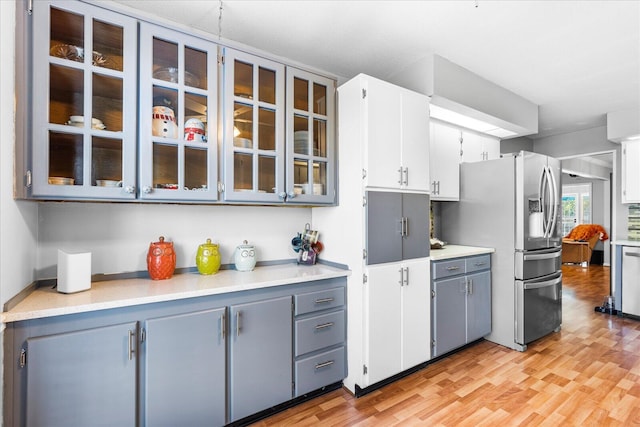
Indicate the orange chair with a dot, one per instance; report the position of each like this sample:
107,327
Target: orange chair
578,245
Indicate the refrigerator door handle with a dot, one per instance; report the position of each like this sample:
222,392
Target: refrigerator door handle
541,192
536,257
553,202
544,284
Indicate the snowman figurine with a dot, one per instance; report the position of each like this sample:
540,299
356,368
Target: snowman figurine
164,122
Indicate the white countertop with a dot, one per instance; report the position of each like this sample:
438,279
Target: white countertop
627,242
456,251
45,302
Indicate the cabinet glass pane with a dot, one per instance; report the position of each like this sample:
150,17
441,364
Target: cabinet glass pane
195,65
300,174
243,171
267,175
267,88
319,178
195,116
165,60
242,125
66,155
65,94
319,99
107,103
300,94
106,162
107,45
267,129
195,175
165,104
243,80
67,35
319,138
300,134
165,166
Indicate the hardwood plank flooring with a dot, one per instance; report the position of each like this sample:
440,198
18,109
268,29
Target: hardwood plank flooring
588,374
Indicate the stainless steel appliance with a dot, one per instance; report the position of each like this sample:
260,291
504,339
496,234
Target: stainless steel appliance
631,280
513,205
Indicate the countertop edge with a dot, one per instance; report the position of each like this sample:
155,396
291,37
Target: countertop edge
45,302
458,251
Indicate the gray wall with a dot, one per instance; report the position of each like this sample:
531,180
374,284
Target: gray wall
515,145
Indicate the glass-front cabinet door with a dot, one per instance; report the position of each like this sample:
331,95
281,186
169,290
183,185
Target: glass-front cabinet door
178,116
84,108
253,128
310,174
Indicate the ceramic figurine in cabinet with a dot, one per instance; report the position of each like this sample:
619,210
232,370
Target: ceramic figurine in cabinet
208,258
161,260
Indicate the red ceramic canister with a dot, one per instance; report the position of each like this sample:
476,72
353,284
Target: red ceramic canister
161,260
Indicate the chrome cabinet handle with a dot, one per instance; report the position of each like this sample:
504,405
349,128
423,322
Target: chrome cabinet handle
453,268
324,364
406,276
291,195
282,195
401,271
324,325
238,327
129,189
470,286
323,300
480,264
132,337
406,176
400,181
223,328
146,189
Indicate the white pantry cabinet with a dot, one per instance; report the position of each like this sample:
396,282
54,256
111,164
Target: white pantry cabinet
397,325
396,126
444,159
630,172
388,322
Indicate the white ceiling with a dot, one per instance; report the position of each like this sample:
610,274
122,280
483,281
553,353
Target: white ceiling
577,60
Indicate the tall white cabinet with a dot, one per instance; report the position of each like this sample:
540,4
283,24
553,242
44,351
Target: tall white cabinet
384,191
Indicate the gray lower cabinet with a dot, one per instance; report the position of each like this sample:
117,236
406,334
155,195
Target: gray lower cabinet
260,356
461,302
82,378
184,366
319,340
204,361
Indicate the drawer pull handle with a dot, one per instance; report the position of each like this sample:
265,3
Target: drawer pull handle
324,325
324,364
479,264
323,300
453,268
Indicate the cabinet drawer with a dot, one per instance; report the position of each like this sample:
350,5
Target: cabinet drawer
443,269
318,371
478,263
317,332
320,300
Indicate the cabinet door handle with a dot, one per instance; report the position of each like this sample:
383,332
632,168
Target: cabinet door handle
401,271
406,276
223,329
291,195
324,325
470,286
323,300
453,268
238,327
129,189
132,337
146,189
480,264
400,172
324,364
406,176
406,226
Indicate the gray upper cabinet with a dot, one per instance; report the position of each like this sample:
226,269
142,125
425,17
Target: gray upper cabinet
397,226
261,359
83,121
310,160
178,116
254,134
82,378
184,361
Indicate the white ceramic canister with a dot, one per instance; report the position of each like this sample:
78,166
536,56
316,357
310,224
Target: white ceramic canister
245,257
194,131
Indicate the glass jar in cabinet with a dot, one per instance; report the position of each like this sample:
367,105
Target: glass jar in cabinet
253,128
310,175
84,124
178,116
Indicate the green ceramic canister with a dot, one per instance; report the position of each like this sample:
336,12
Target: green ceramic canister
208,258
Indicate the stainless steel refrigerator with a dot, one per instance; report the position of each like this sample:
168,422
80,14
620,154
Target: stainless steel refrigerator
513,205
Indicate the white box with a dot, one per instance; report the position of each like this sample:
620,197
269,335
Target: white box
74,271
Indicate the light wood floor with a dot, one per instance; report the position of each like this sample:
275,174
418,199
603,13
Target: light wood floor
588,374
